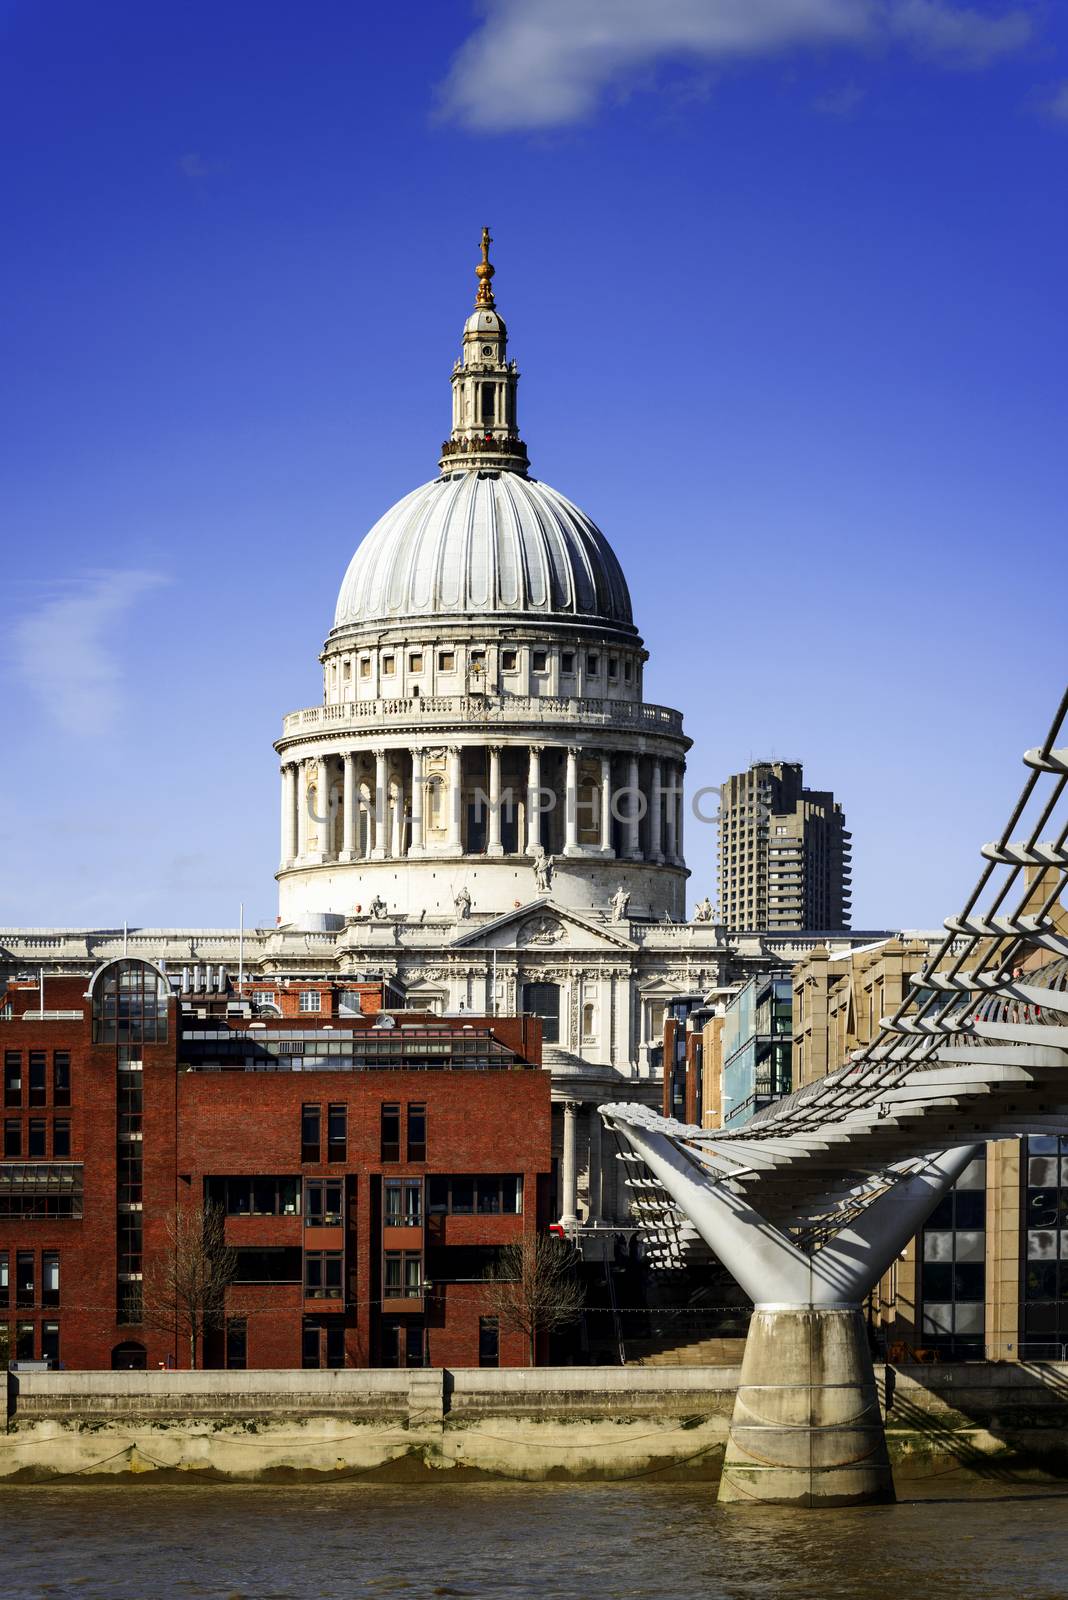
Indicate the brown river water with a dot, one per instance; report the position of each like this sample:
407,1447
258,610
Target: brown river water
231,1542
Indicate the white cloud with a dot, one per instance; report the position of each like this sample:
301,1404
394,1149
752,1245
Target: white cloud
66,650
544,63
1056,105
839,102
957,35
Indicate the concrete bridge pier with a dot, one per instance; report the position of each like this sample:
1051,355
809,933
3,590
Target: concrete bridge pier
807,1428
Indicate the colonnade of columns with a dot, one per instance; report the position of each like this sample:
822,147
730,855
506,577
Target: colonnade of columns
569,1166
385,804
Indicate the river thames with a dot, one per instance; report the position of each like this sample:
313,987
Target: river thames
631,1541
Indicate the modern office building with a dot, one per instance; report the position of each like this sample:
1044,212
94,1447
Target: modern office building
370,1166
754,1047
988,1274
784,852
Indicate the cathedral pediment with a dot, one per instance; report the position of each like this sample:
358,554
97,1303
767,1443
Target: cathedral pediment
541,925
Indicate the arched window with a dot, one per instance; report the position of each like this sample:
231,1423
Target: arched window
130,1356
129,1003
543,1000
589,1020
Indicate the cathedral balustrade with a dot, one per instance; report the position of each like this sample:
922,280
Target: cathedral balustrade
474,710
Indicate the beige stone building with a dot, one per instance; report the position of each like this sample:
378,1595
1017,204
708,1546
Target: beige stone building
984,1277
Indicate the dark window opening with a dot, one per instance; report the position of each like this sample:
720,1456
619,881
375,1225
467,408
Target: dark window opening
489,1342
280,1264
491,1194
25,1283
61,1078
61,1138
542,1000
50,1278
336,1133
311,1133
38,1075
12,1077
322,1203
402,1275
461,1263
12,1138
390,1133
322,1275
403,1203
50,1343
487,403
416,1131
567,661
237,1343
37,1143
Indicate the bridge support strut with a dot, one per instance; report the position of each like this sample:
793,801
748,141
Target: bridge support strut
807,1429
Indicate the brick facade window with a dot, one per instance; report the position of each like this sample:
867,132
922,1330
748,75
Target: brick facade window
337,1121
61,1077
311,1133
489,1342
50,1278
12,1077
322,1203
310,1000
322,1275
38,1075
389,1143
416,1131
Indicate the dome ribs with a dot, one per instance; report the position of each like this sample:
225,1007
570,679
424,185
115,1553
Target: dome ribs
482,544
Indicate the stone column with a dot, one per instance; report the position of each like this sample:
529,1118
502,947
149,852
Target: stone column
569,1166
680,848
534,800
593,1212
671,846
633,848
289,813
302,809
396,841
415,848
494,847
378,852
454,800
348,845
606,806
326,828
656,807
571,844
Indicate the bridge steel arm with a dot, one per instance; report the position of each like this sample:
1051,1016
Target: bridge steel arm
809,1203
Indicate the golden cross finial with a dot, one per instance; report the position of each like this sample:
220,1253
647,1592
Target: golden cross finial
484,272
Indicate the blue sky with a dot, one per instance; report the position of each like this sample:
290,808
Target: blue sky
785,279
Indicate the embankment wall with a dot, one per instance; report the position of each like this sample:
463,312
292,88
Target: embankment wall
535,1424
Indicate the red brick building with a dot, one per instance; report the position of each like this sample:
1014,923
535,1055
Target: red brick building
370,1164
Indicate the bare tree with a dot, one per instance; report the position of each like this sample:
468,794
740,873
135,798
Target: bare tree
533,1288
184,1288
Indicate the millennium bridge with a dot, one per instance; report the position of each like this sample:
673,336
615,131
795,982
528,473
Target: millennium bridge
808,1204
